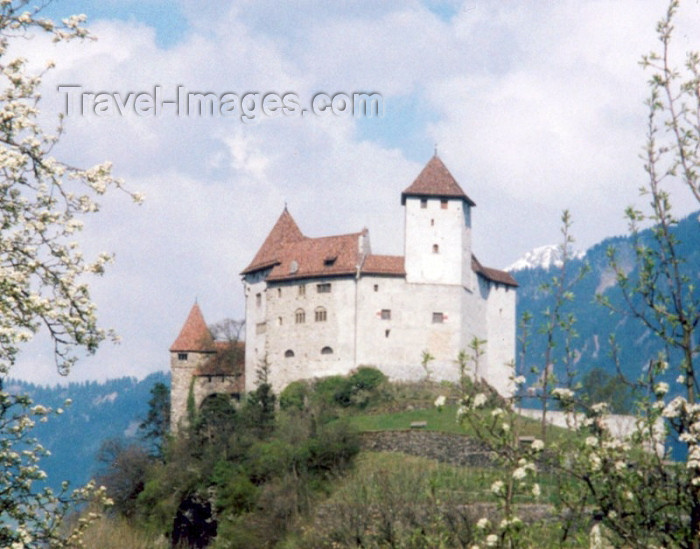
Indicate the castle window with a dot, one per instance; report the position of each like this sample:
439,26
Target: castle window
289,353
320,314
258,299
438,318
323,288
436,249
182,356
329,261
423,203
376,287
326,351
386,314
280,321
302,289
260,328
279,292
300,316
443,204
386,333
432,222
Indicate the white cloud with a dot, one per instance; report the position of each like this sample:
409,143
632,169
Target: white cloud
538,107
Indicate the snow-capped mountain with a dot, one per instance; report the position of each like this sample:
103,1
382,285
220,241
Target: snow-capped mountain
543,256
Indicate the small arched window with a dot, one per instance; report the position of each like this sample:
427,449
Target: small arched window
326,351
320,314
436,249
288,353
300,316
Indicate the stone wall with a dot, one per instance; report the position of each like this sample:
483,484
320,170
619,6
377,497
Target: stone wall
445,447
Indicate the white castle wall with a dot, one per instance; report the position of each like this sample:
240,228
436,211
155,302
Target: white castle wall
500,321
255,315
448,229
411,327
307,339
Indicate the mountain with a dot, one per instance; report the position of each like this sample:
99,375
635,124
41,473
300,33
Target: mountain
595,323
99,411
116,407
543,257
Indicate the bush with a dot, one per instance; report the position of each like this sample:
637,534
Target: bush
367,378
295,395
237,495
334,390
333,448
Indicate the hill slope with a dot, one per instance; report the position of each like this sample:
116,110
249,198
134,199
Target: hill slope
596,323
99,411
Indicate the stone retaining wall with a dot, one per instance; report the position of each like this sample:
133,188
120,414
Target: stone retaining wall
445,447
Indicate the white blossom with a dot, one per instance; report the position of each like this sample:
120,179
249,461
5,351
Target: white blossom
440,401
600,408
520,473
537,445
562,393
479,400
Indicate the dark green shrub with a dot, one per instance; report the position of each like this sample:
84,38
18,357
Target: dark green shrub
333,447
266,460
334,390
237,495
294,395
367,378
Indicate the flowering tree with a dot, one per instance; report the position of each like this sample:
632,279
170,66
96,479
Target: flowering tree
41,202
627,485
42,273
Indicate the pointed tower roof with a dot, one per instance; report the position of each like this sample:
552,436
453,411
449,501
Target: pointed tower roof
435,181
195,335
284,232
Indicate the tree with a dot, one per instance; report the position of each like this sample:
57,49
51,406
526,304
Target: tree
42,272
229,358
628,484
123,472
156,426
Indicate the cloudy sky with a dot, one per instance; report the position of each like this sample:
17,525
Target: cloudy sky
535,107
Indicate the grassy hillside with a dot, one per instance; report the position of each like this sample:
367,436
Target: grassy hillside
292,477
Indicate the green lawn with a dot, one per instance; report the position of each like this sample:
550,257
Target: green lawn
444,420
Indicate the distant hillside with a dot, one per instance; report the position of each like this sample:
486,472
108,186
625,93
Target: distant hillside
99,411
594,322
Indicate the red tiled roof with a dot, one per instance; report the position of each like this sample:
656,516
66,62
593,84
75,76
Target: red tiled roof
435,180
502,277
284,233
229,360
312,257
384,264
195,335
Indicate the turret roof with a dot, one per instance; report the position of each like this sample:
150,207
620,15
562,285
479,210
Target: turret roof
436,180
195,335
284,233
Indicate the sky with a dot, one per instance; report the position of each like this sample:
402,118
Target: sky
535,107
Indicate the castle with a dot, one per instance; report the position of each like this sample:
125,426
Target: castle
322,306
